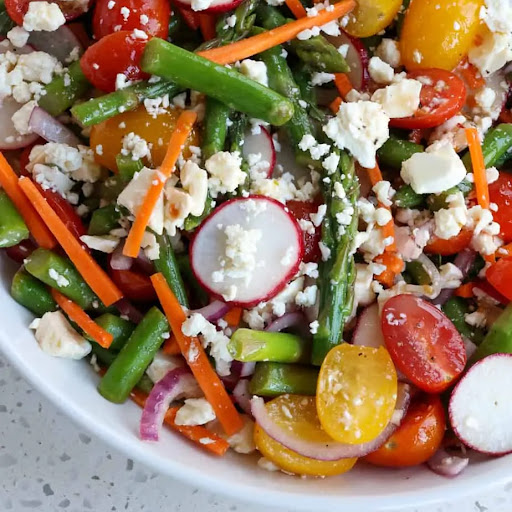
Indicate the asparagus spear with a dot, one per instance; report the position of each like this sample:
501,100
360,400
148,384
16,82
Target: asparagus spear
215,127
274,379
395,152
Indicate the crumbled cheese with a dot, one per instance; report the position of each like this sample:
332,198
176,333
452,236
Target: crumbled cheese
389,52
321,78
492,53
195,411
255,70
42,15
157,106
135,146
450,221
380,71
324,251
59,279
498,15
316,150
313,327
243,440
106,243
384,192
330,164
363,293
476,319
307,297
400,99
195,182
451,276
225,172
122,81
318,217
161,365
20,119
51,178
18,36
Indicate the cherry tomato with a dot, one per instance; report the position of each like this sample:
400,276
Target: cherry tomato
424,344
439,33
452,245
117,53
417,438
371,16
499,275
443,94
151,16
356,393
21,251
134,285
155,130
191,18
301,210
298,414
500,192
16,9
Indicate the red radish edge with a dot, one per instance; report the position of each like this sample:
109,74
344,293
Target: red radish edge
258,142
276,289
223,7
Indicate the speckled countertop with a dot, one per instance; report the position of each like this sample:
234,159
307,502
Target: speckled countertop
48,464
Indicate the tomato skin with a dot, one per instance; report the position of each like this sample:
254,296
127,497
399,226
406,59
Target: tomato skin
499,275
301,211
116,53
417,438
500,192
452,245
423,343
134,285
16,9
433,114
371,16
21,251
106,20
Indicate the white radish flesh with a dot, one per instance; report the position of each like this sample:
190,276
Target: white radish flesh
368,331
480,410
9,136
259,148
257,269
215,7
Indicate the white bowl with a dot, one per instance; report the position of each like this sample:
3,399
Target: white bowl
71,385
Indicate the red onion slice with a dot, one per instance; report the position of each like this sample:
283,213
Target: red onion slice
214,311
445,464
118,261
294,319
334,450
242,395
166,390
59,43
127,309
50,129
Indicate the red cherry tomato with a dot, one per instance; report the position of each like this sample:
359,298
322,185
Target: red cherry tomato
117,53
452,245
21,251
500,192
423,343
191,18
301,211
419,436
16,9
499,275
135,286
442,95
151,16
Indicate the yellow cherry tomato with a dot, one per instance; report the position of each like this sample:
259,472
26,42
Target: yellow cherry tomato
439,33
154,130
371,16
297,414
356,393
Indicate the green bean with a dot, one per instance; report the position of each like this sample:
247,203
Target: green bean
496,147
215,127
104,220
111,188
499,338
127,166
32,293
405,197
135,356
456,309
274,379
222,83
394,152
417,272
193,221
436,202
120,329
12,226
195,289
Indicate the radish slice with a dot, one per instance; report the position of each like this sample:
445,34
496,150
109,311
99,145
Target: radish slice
368,331
50,129
480,411
215,7
247,250
261,144
357,59
9,136
59,43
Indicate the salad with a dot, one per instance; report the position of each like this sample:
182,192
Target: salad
278,226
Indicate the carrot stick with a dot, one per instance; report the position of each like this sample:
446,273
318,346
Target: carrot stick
342,84
38,229
178,138
197,359
465,290
233,316
92,273
198,434
83,320
296,7
207,26
335,105
477,161
171,347
261,42
394,266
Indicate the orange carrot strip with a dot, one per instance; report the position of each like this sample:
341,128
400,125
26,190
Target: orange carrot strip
197,359
233,316
36,226
207,26
202,436
179,136
465,290
92,273
296,7
394,266
477,161
342,84
83,320
471,75
171,347
261,42
335,105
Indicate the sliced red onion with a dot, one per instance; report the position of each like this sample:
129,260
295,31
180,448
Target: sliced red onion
144,263
433,272
332,450
166,390
243,396
294,319
119,261
59,43
214,311
240,370
445,464
47,127
126,308
470,347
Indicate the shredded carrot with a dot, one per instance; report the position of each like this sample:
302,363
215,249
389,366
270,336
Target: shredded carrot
394,265
335,105
92,273
477,161
296,7
36,226
465,290
178,138
233,316
202,436
171,347
343,84
207,26
471,75
197,359
83,320
256,44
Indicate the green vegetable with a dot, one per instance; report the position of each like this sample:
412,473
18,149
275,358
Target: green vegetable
64,90
417,272
59,273
302,77
192,221
195,289
499,338
12,226
120,329
127,166
6,23
437,202
104,356
405,197
496,147
109,105
215,127
104,220
274,379
456,309
248,345
135,356
394,152
110,188
222,83
32,293
168,266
